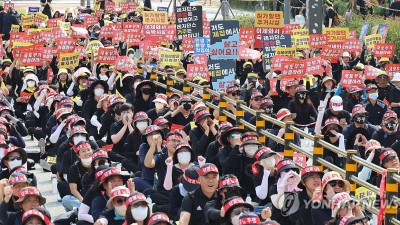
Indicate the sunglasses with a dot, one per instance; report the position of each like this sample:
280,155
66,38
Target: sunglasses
233,190
287,170
234,135
174,99
235,94
257,99
238,211
120,202
12,158
340,183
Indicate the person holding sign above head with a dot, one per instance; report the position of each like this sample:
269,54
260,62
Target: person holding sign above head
250,86
291,86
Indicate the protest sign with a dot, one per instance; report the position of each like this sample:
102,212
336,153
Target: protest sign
267,22
371,40
66,44
188,44
15,37
383,29
169,58
293,69
59,33
53,23
91,20
170,33
283,83
246,34
278,59
352,34
298,158
107,31
391,69
155,51
318,40
41,18
131,27
18,50
374,28
124,6
81,51
352,45
200,59
363,32
37,38
64,25
300,32
384,50
154,17
352,78
222,73
247,53
314,66
301,41
206,29
367,196
92,45
69,60
25,38
132,38
47,36
189,22
147,45
270,42
132,6
107,55
82,16
117,36
50,76
48,53
331,53
159,8
33,10
25,96
27,20
14,28
289,28
99,13
154,32
108,8
31,58
79,32
285,51
371,72
197,70
7,5
224,41
336,36
201,45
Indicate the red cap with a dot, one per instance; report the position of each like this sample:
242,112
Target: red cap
232,202
35,212
207,169
81,146
133,198
232,89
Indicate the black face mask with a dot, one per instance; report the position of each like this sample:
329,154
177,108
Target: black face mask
301,96
146,91
118,111
247,70
360,119
186,106
269,110
165,130
330,134
230,194
391,126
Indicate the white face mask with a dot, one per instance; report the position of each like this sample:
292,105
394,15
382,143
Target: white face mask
184,157
2,152
235,219
78,139
268,162
251,149
159,105
131,56
99,92
69,109
103,77
87,161
136,84
139,213
141,126
106,164
121,210
15,163
31,83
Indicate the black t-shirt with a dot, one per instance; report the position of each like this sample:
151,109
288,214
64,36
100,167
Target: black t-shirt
180,119
194,203
147,3
75,175
343,114
114,129
394,96
385,139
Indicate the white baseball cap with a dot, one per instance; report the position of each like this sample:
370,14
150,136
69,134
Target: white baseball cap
345,54
336,103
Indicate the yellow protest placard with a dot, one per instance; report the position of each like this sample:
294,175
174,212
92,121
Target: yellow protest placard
14,28
20,44
107,22
300,32
64,25
372,39
169,58
272,19
42,16
69,59
367,196
155,17
92,45
27,20
301,41
33,31
46,29
336,34
291,52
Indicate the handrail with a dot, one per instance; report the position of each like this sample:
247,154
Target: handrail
272,120
212,92
212,106
301,132
229,114
160,84
248,109
302,151
368,207
363,162
332,147
396,178
394,221
247,124
273,137
331,166
364,183
229,100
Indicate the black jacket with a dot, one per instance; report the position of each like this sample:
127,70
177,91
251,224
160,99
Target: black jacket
8,20
109,215
212,154
200,141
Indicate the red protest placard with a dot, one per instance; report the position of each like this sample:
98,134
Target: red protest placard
156,50
109,7
197,70
391,69
260,31
201,59
99,13
247,53
79,32
298,158
7,5
331,53
131,27
293,69
204,15
66,45
335,45
176,127
15,37
47,36
37,20
318,40
81,51
352,34
147,45
206,29
124,6
50,76
278,59
17,51
132,38
124,63
25,38
25,96
91,20
52,23
173,18
384,50
170,33
314,66
246,34
31,58
116,26
48,53
188,44
107,31
352,78
132,6
59,33
352,45
283,84
154,31
291,26
117,36
107,55
371,72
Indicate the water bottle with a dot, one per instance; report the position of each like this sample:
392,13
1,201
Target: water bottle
118,165
54,184
248,199
150,203
306,139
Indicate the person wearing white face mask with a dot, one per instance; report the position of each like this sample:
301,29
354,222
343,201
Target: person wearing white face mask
96,90
115,214
29,87
130,98
233,208
375,107
137,210
13,157
160,104
84,153
99,158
